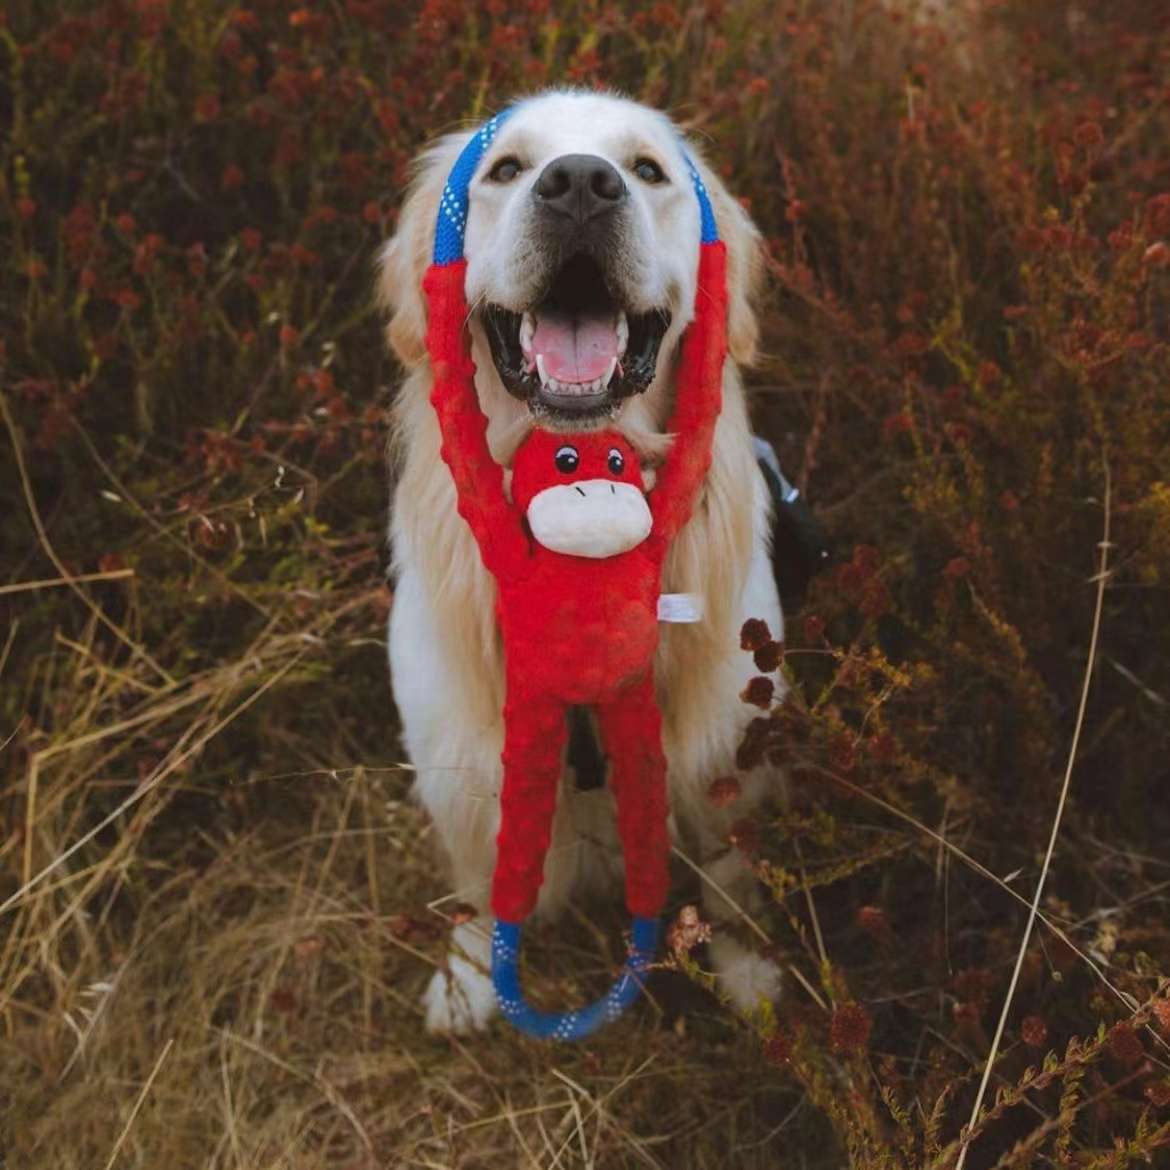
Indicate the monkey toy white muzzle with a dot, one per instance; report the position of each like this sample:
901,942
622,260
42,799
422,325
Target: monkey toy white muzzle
590,518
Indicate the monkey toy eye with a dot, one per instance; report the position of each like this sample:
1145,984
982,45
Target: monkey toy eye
567,459
616,463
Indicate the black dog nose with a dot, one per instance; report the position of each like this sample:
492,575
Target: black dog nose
581,186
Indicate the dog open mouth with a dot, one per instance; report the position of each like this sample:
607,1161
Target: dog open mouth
578,351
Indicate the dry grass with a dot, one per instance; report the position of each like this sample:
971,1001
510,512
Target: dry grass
218,907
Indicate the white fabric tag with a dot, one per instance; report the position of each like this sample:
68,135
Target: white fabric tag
680,607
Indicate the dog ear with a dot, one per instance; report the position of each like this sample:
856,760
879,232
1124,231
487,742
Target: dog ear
407,255
745,264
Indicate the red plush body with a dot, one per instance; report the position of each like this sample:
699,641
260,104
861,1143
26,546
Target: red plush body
577,629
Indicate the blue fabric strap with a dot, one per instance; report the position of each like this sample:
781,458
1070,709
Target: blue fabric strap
708,232
574,1025
452,222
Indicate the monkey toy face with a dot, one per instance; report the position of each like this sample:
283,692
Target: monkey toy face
581,494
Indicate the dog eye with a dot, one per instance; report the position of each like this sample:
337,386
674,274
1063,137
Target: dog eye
567,459
649,171
505,170
616,463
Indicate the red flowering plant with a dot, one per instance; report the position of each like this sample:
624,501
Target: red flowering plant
212,937
979,414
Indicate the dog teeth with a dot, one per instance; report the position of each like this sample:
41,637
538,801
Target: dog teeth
572,389
613,364
527,329
622,329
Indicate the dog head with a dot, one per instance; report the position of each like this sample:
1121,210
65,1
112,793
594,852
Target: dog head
582,246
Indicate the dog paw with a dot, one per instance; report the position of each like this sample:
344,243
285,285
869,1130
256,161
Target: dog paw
459,1000
746,978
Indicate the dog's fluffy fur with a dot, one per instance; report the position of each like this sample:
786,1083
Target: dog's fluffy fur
444,651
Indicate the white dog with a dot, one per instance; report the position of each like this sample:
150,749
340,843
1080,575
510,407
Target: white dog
582,244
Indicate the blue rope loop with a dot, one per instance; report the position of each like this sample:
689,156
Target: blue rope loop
451,225
572,1025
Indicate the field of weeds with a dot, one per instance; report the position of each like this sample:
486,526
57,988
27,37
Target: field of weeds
218,907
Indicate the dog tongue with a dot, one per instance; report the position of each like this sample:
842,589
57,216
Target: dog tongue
575,349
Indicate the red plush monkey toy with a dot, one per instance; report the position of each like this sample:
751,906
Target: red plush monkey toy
577,555
578,587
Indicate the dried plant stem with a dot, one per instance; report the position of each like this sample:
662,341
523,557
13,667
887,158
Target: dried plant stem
812,907
148,785
955,851
751,922
162,529
57,582
138,1103
315,1079
43,536
1101,579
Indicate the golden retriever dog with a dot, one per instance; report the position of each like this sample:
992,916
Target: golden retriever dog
582,233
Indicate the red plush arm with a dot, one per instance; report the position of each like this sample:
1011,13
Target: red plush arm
698,398
479,479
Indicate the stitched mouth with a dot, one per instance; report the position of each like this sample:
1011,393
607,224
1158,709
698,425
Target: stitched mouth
578,350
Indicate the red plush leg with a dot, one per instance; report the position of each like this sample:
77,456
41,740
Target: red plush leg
631,733
534,739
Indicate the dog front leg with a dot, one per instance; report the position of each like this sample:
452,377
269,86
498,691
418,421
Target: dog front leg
460,998
730,897
453,736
